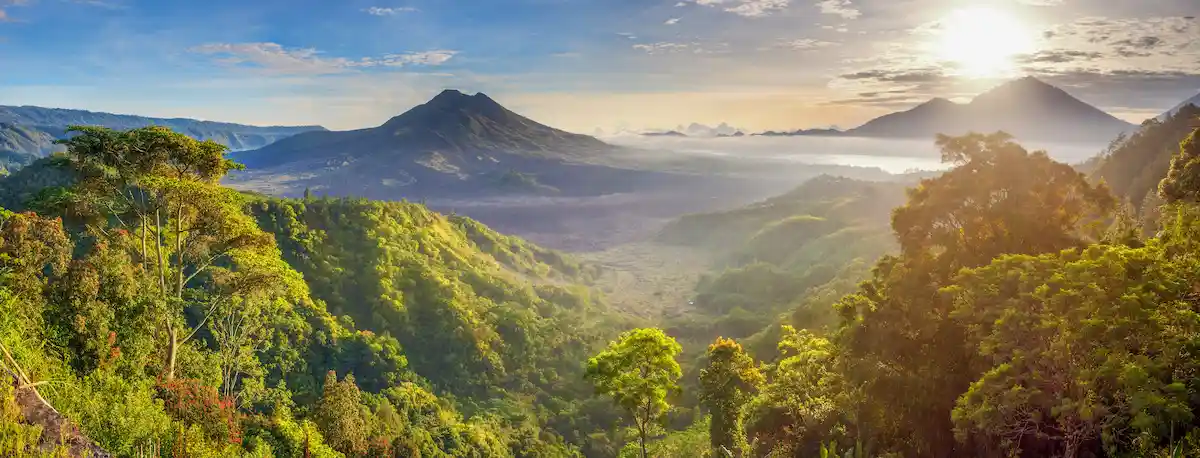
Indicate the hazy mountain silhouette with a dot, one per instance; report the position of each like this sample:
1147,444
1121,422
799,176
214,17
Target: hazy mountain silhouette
1027,108
455,127
237,137
28,132
669,133
1192,101
455,144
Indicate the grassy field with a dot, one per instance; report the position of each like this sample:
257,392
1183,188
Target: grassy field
649,280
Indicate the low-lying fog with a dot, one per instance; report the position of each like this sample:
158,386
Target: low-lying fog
890,155
730,172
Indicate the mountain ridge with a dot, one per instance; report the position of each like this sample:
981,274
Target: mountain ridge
1177,108
1027,107
15,113
454,143
27,132
451,123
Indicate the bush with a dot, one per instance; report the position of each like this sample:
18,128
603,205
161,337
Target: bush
195,404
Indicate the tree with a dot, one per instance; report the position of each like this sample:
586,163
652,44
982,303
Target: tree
902,347
804,404
340,416
1183,180
164,187
998,199
1083,346
726,385
639,372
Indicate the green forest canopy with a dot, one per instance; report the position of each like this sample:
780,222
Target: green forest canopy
154,308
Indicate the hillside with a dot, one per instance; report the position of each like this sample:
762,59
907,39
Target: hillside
1135,165
1195,101
733,273
452,338
489,318
21,145
28,132
1027,108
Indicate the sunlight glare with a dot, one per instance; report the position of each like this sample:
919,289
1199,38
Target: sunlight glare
983,42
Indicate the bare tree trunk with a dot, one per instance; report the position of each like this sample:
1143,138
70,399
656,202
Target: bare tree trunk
179,251
642,437
142,218
642,426
172,350
158,241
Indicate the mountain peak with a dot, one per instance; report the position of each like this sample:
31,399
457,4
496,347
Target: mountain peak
1026,107
449,94
938,101
1025,88
456,95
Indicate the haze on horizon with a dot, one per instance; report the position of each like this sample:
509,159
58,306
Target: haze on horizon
587,64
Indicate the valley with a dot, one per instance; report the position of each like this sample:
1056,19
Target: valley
448,283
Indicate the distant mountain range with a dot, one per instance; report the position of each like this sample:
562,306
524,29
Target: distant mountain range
453,145
669,133
801,132
27,132
1027,108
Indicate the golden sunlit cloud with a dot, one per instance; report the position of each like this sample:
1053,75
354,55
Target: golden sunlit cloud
983,42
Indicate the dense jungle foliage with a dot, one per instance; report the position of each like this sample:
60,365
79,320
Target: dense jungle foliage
1023,315
158,310
1013,309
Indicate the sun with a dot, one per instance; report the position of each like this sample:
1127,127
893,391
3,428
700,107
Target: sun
983,42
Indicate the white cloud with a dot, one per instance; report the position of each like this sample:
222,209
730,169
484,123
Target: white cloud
1147,44
109,4
661,47
694,47
275,59
1040,2
841,8
379,11
747,8
803,44
436,57
1127,62
4,17
672,21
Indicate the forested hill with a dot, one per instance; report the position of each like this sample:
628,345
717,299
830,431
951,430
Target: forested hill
835,200
490,318
1008,323
784,260
266,327
1134,165
155,309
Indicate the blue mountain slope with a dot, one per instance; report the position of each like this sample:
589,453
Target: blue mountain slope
28,132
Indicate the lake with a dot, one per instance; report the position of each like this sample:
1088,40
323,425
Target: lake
891,155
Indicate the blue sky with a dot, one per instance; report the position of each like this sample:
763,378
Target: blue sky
577,64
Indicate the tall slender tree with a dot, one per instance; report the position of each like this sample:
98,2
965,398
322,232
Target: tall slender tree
639,372
157,193
727,383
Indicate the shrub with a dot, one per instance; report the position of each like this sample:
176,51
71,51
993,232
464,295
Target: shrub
196,404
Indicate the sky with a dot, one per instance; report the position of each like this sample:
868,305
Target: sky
587,64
